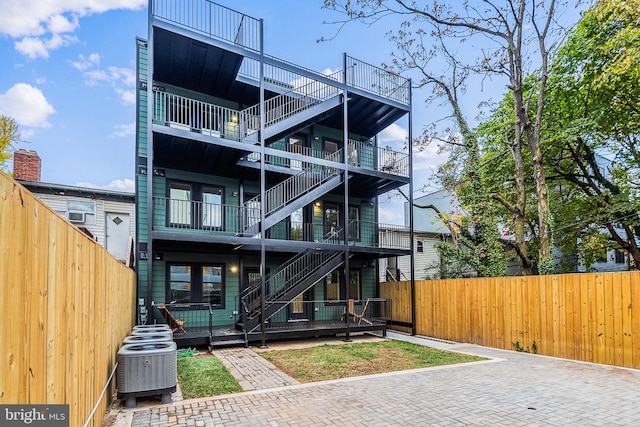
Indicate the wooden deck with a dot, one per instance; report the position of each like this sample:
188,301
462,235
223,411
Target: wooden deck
229,335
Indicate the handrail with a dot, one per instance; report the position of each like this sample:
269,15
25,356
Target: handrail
287,191
197,116
220,22
211,19
382,159
299,99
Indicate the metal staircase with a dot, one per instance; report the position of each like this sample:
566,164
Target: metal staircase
305,104
291,279
286,197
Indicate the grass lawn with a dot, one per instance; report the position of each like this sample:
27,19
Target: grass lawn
205,375
327,362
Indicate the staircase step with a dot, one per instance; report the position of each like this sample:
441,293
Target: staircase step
227,343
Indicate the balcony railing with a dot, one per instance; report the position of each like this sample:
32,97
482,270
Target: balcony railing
378,81
364,155
188,215
211,19
220,22
208,119
299,314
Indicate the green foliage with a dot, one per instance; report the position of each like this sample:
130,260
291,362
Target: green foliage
519,348
8,137
205,376
327,362
593,107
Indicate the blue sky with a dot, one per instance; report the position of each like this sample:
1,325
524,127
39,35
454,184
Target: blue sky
68,77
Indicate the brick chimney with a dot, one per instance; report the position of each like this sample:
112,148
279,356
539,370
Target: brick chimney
26,165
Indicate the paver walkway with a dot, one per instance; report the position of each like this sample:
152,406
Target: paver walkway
252,371
512,389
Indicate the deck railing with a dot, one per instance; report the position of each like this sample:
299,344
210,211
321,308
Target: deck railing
211,19
223,23
381,159
289,190
202,117
196,215
378,81
197,317
322,314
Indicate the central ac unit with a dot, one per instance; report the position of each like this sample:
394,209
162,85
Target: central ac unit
75,216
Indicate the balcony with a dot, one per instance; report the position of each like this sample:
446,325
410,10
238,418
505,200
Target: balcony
238,30
230,220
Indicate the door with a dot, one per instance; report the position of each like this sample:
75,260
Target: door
251,288
117,234
300,308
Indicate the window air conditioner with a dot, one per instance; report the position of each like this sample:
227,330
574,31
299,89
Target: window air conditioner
76,216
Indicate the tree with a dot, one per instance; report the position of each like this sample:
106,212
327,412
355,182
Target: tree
8,137
509,34
593,127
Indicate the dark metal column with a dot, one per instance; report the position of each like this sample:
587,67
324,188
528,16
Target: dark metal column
263,257
411,248
345,228
150,60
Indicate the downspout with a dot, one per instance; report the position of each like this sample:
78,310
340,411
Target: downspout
345,232
263,257
411,244
150,60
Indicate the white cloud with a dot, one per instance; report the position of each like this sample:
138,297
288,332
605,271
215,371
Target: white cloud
34,47
83,63
121,79
27,105
125,185
393,133
122,131
39,23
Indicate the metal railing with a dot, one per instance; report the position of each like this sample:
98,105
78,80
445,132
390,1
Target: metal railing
211,19
197,317
288,190
223,23
324,314
283,279
196,215
391,236
378,81
202,117
382,159
304,96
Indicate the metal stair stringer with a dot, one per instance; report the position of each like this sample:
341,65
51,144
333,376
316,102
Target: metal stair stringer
292,286
289,195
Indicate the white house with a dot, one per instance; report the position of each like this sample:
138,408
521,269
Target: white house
108,217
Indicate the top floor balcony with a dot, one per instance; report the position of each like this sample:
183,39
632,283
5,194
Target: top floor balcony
240,35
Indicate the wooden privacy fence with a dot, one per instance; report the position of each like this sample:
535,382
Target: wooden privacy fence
66,304
593,317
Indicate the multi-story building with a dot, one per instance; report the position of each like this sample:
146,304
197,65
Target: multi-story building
257,182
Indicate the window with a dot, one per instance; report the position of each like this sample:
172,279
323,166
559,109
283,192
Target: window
212,284
334,291
420,246
81,211
620,257
196,282
193,205
180,204
180,283
296,223
354,223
